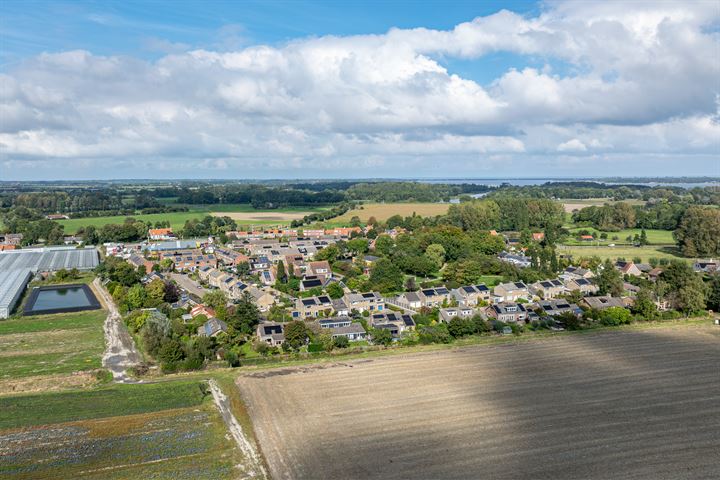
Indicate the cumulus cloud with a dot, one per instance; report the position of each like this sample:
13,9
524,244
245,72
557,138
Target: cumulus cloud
641,77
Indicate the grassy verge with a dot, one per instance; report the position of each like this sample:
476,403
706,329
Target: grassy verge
603,252
655,237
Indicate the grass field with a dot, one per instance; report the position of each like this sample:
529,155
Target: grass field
621,404
52,346
164,430
245,214
383,211
571,204
626,252
655,237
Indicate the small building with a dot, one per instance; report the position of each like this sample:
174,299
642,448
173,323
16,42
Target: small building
271,333
509,312
510,292
601,303
447,314
471,295
548,289
583,285
157,234
369,301
343,327
212,328
706,266
628,268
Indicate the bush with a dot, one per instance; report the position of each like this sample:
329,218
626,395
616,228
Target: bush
232,358
614,316
434,334
315,348
341,342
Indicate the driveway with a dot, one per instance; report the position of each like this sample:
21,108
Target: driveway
189,285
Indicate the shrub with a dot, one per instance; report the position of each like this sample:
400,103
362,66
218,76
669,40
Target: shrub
341,342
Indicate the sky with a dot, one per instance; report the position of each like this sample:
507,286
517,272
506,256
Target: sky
320,89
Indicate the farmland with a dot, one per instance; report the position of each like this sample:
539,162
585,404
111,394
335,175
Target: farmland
241,213
165,430
49,350
634,403
383,211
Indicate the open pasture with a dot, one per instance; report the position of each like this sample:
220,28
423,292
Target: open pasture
167,430
627,252
622,404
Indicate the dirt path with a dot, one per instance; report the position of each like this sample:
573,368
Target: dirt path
120,351
253,467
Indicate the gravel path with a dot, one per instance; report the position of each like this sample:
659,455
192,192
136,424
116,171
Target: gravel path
253,466
642,404
120,350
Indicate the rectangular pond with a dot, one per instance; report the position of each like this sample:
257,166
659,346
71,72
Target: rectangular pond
60,298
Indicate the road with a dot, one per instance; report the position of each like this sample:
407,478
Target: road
120,350
632,404
189,285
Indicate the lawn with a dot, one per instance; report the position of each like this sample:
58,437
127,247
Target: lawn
51,344
655,237
164,430
627,252
383,211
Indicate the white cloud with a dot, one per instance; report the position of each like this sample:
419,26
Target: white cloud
573,145
618,79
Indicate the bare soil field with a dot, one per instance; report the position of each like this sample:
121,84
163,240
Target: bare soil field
622,404
383,211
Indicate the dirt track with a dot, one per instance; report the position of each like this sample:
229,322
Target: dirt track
632,404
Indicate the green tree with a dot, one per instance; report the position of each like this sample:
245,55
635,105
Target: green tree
135,297
697,234
341,341
461,327
335,291
215,299
281,273
386,276
615,316
296,334
381,336
713,298
644,304
436,253
610,281
691,297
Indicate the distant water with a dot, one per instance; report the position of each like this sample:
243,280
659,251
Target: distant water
520,182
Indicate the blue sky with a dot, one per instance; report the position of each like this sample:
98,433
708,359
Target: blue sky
101,89
149,29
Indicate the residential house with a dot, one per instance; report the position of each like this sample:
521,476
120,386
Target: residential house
137,261
311,282
507,312
538,236
271,333
57,216
519,260
11,238
510,292
583,285
631,289
434,297
72,240
706,266
370,301
447,314
393,321
340,308
553,308
410,300
161,234
576,272
548,289
189,260
601,303
263,298
212,328
628,268
230,257
312,307
471,295
654,274
320,270
202,310
343,327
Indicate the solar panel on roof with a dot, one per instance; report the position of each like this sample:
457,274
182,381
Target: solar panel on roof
308,302
441,291
368,295
324,299
429,292
482,287
469,289
519,285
